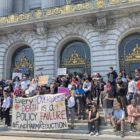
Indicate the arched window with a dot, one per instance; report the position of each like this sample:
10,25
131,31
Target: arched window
129,53
23,61
75,56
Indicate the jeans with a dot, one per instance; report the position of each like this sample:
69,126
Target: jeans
7,117
130,97
71,114
95,124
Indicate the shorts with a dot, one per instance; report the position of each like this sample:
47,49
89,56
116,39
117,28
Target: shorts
107,111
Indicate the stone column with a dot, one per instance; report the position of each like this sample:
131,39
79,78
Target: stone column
18,6
6,7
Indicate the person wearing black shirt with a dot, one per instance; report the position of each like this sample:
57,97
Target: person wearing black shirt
112,76
93,120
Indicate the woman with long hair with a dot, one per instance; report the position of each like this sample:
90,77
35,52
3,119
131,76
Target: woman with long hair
93,120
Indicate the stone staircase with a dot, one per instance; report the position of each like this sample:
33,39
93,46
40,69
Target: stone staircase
78,133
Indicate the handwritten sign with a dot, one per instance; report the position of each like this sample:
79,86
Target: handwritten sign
61,71
63,90
16,74
43,80
44,112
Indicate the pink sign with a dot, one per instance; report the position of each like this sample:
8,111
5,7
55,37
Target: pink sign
63,90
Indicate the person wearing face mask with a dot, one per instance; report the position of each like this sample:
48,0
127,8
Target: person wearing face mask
112,76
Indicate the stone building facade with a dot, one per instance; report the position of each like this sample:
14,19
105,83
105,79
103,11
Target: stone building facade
103,29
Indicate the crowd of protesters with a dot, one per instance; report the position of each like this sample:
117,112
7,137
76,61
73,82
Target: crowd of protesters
88,94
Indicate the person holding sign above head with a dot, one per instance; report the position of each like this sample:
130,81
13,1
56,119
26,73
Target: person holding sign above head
71,108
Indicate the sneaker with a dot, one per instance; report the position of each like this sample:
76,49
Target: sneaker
79,118
88,133
97,134
122,134
133,129
115,129
91,133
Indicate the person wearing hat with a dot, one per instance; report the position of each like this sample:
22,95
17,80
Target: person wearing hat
93,121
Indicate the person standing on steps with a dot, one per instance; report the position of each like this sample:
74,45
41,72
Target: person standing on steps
6,106
71,108
112,76
131,89
108,99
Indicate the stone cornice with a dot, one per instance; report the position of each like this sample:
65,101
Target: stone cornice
58,14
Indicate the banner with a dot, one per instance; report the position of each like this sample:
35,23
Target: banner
14,74
63,90
61,71
43,80
43,112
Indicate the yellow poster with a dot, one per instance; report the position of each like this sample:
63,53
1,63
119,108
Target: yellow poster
43,80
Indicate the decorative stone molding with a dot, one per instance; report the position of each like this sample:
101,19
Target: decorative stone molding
41,32
103,39
101,22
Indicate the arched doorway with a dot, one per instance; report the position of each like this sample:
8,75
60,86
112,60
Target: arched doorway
129,53
23,61
75,56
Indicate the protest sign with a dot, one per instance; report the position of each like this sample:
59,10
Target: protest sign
16,74
61,71
43,112
43,80
63,90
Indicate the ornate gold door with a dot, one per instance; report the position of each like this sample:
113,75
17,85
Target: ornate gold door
129,54
76,58
23,61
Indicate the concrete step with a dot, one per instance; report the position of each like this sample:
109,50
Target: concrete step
85,131
81,136
76,130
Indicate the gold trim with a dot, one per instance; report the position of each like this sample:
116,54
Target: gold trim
66,9
135,55
24,63
75,59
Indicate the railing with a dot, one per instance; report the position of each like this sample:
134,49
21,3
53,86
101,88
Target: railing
72,6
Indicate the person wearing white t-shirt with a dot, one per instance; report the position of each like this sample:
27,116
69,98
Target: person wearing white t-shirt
24,83
6,107
71,108
131,89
